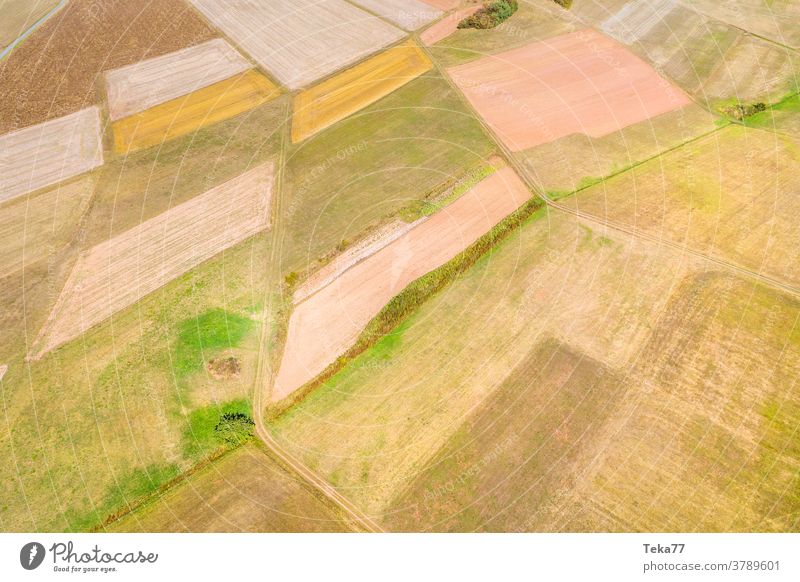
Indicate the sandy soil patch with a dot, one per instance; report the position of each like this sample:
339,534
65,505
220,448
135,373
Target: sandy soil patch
56,70
192,112
37,227
407,14
582,82
140,86
48,153
446,26
300,41
327,323
119,272
353,90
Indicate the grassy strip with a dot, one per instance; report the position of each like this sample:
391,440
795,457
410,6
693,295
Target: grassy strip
405,303
435,201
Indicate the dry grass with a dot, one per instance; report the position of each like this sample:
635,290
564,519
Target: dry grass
119,272
57,69
48,153
196,110
300,41
19,15
732,195
140,86
245,491
351,91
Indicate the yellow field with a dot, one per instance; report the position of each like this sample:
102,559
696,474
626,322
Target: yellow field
184,115
354,89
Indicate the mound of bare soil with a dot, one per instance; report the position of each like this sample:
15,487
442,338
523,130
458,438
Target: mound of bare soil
224,368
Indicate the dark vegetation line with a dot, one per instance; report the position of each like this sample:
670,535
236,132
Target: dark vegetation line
410,299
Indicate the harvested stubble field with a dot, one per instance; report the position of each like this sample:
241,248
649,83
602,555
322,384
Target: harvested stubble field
245,491
354,89
48,153
188,114
38,83
731,195
777,20
407,14
38,226
140,86
327,323
705,56
582,82
300,41
634,369
117,273
357,174
374,426
19,16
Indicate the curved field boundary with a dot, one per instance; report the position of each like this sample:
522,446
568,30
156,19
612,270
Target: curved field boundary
120,271
300,41
407,14
328,323
6,51
48,153
140,86
194,111
354,89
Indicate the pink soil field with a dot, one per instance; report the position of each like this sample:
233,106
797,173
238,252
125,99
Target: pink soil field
443,5
122,270
581,82
446,26
326,324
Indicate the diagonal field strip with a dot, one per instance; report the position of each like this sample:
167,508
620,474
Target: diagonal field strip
140,86
48,153
120,271
194,111
300,41
354,89
327,323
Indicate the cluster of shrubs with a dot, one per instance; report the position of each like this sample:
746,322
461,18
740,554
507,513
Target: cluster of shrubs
742,110
234,428
490,14
564,3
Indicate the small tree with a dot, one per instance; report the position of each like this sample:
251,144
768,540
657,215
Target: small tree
234,428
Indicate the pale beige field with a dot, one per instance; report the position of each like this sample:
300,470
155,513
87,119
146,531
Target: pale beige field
732,195
19,15
777,20
119,272
407,14
581,82
300,41
48,153
322,327
140,86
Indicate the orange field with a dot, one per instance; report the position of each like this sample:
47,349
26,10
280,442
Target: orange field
354,89
196,110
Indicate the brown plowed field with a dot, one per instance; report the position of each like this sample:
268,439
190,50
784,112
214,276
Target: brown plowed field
119,272
55,71
327,323
581,82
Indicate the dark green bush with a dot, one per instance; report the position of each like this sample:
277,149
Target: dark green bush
234,428
490,14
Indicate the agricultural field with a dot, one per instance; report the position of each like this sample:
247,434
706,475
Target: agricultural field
38,83
300,41
446,26
580,82
246,491
349,92
713,61
140,86
693,196
407,14
328,322
777,20
117,273
186,115
48,153
20,15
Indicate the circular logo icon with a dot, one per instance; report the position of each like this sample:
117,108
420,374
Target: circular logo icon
31,555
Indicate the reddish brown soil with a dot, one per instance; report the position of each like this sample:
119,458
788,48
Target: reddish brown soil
56,70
